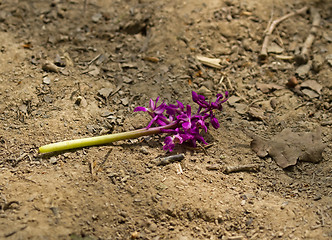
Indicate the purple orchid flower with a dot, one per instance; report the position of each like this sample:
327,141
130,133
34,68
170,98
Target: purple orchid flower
180,122
156,112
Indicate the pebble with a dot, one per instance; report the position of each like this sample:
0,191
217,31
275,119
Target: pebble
144,150
96,17
47,80
303,70
49,67
204,91
53,160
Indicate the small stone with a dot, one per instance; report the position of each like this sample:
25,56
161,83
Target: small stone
58,61
144,150
48,99
313,85
53,160
317,63
46,80
310,93
127,80
204,91
247,45
96,17
256,113
49,67
105,92
303,70
232,100
329,59
125,101
81,101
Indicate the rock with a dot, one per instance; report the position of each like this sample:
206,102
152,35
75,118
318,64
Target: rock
317,63
233,99
49,67
313,85
310,93
303,70
53,160
204,91
268,87
81,101
124,101
240,108
46,80
274,48
96,17
105,92
256,113
208,84
59,61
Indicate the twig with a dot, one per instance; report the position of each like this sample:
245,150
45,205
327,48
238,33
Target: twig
15,231
242,168
263,54
92,165
304,56
84,7
105,158
94,59
231,169
179,169
170,159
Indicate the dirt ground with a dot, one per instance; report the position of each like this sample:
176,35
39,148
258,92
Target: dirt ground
69,71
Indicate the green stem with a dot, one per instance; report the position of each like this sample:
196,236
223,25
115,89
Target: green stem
100,140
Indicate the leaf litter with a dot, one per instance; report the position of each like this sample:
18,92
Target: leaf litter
288,147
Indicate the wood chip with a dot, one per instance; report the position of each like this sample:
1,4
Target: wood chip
211,62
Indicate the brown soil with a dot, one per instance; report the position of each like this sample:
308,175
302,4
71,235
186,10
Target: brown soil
116,55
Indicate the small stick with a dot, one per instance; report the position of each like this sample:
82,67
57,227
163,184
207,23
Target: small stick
179,169
92,167
231,169
263,54
105,158
84,7
304,56
170,159
241,168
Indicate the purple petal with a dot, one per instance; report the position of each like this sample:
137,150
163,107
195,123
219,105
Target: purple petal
160,109
169,145
180,105
188,110
168,140
186,125
215,123
152,104
201,139
152,121
201,124
160,122
177,139
137,109
194,96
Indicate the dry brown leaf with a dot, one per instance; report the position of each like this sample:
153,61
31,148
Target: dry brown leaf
287,147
